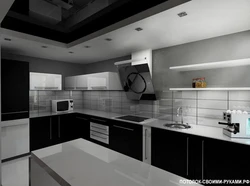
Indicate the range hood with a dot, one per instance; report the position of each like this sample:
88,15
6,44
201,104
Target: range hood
135,76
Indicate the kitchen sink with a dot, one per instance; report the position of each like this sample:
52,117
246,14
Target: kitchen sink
177,126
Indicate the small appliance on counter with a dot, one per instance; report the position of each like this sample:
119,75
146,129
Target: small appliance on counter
63,105
238,124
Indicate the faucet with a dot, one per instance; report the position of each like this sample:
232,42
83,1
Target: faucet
180,112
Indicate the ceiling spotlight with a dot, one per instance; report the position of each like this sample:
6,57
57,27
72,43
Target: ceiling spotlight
138,29
71,52
44,47
182,14
7,39
108,39
87,46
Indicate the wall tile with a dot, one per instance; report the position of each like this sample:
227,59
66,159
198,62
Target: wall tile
212,104
183,103
239,95
239,105
164,95
210,113
115,93
213,95
209,122
184,94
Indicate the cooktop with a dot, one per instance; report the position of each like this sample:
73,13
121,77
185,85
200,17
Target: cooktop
132,118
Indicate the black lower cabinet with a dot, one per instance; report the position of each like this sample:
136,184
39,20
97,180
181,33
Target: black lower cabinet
52,130
199,158
169,151
73,126
126,138
225,160
40,133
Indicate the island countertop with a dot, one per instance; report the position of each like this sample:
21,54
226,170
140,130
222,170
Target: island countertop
80,162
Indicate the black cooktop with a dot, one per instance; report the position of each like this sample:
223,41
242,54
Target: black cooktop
132,118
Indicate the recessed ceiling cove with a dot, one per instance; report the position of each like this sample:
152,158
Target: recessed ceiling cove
68,20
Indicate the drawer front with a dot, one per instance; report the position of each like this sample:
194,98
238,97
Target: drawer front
99,137
103,129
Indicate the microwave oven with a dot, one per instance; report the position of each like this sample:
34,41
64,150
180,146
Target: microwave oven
63,105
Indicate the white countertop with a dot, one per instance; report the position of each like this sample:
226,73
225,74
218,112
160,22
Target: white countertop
81,162
199,130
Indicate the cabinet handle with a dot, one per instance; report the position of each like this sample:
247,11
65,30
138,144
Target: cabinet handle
99,87
187,154
50,127
100,120
146,131
123,128
59,127
82,118
202,161
49,88
82,88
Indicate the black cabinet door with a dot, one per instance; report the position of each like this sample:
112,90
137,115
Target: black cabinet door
170,151
15,89
40,132
73,126
225,160
126,138
82,126
195,157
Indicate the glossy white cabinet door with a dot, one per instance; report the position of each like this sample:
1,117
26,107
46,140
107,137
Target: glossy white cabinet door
82,82
15,138
96,81
70,83
43,81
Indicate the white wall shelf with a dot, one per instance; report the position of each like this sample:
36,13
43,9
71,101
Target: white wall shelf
209,89
212,65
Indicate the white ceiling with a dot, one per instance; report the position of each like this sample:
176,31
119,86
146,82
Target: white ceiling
206,19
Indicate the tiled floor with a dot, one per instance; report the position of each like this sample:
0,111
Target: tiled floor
16,172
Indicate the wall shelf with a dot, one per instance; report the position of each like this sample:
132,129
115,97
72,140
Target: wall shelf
212,65
209,89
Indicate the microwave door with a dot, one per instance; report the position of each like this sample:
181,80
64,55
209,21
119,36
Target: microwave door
62,106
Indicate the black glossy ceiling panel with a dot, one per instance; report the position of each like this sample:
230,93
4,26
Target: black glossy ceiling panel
117,11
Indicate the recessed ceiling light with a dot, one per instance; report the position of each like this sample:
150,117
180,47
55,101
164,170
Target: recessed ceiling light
7,39
138,29
87,46
108,39
44,47
71,52
182,14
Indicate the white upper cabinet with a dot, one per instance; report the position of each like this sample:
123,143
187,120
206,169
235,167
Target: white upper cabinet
97,81
70,83
82,82
44,81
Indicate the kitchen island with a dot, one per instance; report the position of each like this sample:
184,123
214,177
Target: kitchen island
83,163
